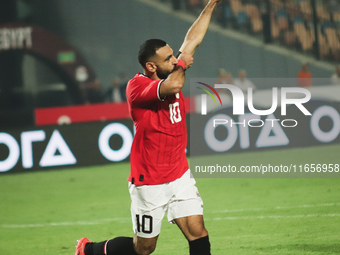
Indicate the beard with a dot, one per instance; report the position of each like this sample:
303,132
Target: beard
163,74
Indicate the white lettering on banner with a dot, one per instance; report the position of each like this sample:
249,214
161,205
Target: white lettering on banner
209,133
104,142
325,136
14,152
271,133
55,144
49,158
27,138
16,38
244,131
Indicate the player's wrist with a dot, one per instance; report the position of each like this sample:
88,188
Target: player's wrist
181,64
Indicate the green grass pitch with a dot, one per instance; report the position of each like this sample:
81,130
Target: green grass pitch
46,212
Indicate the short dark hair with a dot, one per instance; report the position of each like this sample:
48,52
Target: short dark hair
148,49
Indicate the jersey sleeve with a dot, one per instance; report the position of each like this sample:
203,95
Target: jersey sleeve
143,91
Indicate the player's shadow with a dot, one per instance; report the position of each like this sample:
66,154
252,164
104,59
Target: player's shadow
320,248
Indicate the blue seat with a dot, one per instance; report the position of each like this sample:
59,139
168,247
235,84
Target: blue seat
242,19
228,14
281,13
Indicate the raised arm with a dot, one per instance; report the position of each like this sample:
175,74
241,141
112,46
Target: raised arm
175,81
197,31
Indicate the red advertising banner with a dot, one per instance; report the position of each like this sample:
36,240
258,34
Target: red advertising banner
86,113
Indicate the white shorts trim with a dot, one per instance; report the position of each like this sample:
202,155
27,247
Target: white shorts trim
149,203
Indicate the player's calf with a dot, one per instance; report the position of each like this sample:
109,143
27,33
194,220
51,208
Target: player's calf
118,245
145,246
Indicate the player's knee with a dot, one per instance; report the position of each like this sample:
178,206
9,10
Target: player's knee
198,232
202,233
145,246
145,249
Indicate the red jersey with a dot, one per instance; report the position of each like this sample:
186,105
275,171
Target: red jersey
158,149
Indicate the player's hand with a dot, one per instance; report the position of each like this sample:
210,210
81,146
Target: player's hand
187,59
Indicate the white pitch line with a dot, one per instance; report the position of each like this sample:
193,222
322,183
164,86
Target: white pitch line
58,224
279,208
274,217
97,222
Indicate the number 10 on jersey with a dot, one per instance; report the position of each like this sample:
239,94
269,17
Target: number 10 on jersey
175,113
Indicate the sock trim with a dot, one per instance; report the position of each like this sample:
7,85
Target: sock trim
105,247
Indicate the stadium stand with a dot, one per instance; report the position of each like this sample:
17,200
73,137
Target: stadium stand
292,23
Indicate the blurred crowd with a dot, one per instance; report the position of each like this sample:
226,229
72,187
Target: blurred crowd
115,93
289,23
